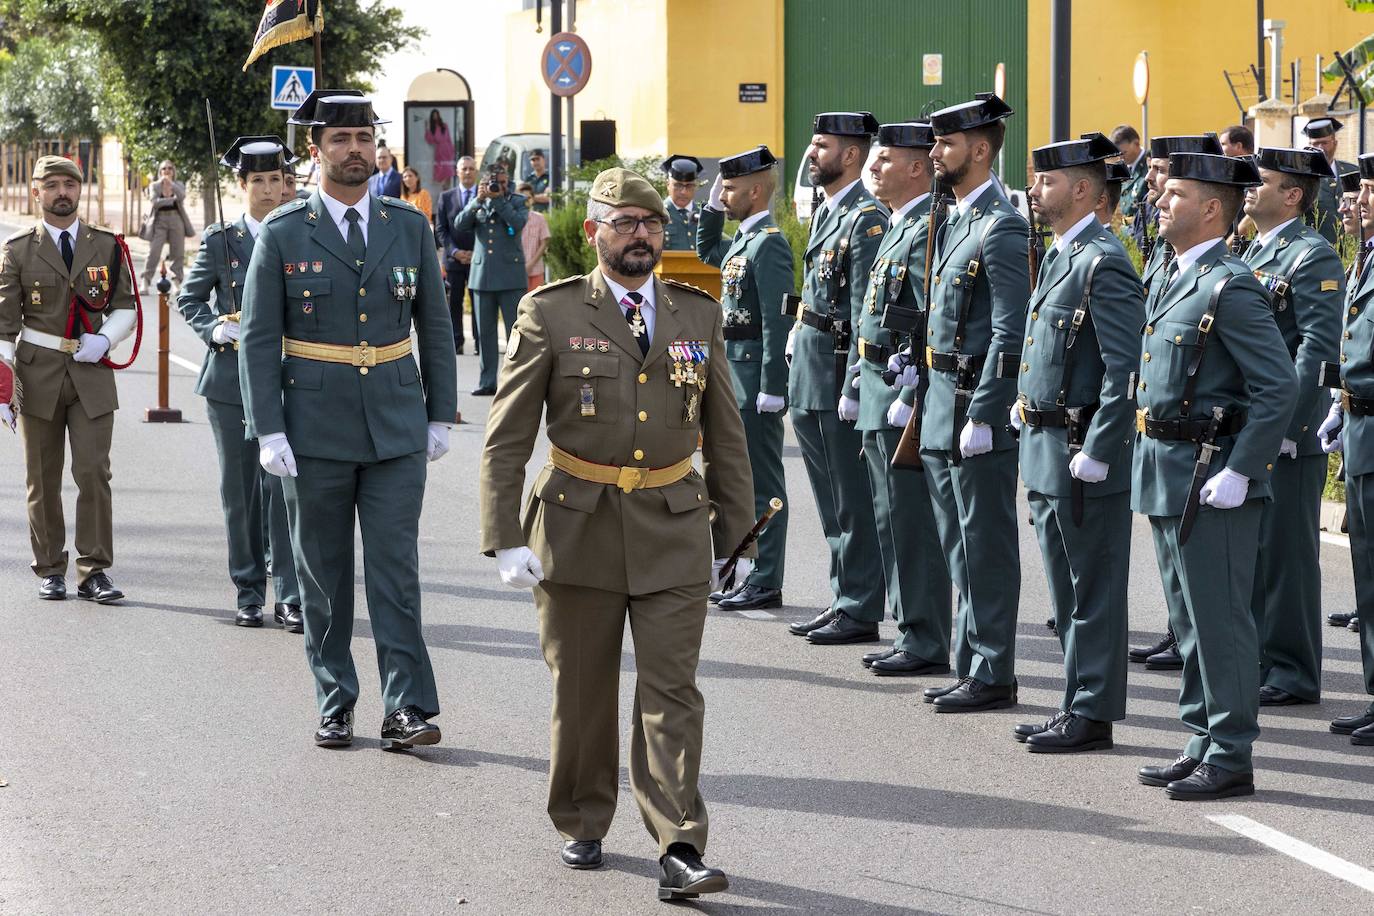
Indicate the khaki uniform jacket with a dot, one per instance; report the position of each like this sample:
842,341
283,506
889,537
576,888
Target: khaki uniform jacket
592,534
36,292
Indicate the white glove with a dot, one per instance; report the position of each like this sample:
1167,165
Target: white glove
225,332
791,339
849,409
1332,424
436,446
769,403
275,455
743,567
7,416
713,201
519,567
1088,469
93,347
898,413
905,367
1288,449
976,439
1015,416
1225,490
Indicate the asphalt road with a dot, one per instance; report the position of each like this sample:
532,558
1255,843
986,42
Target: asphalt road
159,760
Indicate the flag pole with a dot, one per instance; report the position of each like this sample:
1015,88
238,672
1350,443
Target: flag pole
319,54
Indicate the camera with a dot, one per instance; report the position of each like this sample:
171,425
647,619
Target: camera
494,186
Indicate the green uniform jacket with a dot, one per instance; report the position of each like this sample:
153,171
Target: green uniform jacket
900,265
498,260
1245,367
1131,189
334,410
756,272
1309,316
1154,268
1357,371
996,318
1096,370
681,233
1325,216
200,304
838,258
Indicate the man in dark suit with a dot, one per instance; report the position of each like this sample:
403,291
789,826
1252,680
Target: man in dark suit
386,181
457,248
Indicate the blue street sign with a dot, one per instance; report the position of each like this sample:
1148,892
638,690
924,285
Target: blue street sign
290,86
566,64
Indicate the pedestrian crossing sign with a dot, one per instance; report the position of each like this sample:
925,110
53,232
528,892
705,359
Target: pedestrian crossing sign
290,86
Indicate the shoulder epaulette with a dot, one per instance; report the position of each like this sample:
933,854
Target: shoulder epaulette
557,283
868,209
687,286
772,230
21,233
288,207
398,203
215,228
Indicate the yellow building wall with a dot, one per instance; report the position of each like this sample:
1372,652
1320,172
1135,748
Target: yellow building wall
1190,43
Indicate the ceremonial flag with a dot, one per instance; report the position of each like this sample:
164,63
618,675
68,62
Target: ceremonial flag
285,21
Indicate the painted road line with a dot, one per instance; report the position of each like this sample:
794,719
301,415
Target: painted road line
757,615
1281,842
184,363
1336,540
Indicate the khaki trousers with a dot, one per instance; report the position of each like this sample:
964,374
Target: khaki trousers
581,630
168,230
45,446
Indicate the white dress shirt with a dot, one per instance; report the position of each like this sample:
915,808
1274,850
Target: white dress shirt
750,222
967,201
1188,258
1264,238
900,213
1063,241
255,226
337,208
647,308
56,233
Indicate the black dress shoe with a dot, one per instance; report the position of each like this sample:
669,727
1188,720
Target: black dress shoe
483,392
288,617
335,731
1354,625
1340,620
1181,768
1071,735
406,728
751,598
1026,729
1363,736
52,588
1051,625
1345,725
582,854
250,616
1208,782
843,629
904,664
1141,653
871,657
98,588
1167,660
1273,696
721,593
931,694
682,876
815,623
975,696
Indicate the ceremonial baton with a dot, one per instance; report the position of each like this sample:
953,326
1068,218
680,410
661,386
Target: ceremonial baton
774,507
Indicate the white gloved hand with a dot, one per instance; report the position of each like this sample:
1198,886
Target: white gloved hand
898,413
1225,490
976,439
436,445
791,340
849,409
1288,449
713,201
1015,416
905,367
1088,469
275,455
769,403
743,567
1332,424
7,416
519,567
93,348
225,332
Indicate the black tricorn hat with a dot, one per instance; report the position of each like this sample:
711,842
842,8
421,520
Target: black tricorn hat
257,154
335,108
681,168
1066,154
1350,182
1307,162
1164,147
908,134
845,124
758,159
1118,173
1215,169
985,108
1367,166
1321,127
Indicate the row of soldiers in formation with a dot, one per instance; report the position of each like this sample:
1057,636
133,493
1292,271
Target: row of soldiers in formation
938,348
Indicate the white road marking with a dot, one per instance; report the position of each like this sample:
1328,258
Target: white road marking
1335,866
757,615
184,363
1337,540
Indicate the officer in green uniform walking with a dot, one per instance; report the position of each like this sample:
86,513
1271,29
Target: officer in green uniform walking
1304,278
1215,395
684,213
756,273
1126,140
344,415
254,507
1325,216
497,279
824,402
1076,419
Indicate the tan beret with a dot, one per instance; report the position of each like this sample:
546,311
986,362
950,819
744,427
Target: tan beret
624,188
48,166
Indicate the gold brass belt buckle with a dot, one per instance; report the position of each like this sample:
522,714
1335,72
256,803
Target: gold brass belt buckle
632,479
930,357
1021,406
1140,422
365,356
69,345
862,345
1345,400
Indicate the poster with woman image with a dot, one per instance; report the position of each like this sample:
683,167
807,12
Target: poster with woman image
435,136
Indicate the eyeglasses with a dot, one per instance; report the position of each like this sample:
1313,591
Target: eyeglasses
627,225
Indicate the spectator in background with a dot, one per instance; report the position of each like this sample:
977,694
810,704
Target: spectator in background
1237,140
1126,139
413,194
538,180
441,142
534,239
457,248
386,181
167,223
495,217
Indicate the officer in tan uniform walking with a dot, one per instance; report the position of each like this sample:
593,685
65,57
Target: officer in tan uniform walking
632,370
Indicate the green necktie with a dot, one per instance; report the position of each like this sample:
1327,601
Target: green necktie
356,245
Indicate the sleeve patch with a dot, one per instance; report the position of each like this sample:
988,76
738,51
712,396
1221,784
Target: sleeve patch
513,345
1330,286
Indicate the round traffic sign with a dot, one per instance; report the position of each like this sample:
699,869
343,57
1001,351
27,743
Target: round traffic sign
1140,77
566,64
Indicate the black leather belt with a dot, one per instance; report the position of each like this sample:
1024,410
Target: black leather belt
949,362
818,321
1178,430
742,331
1357,406
875,353
1056,417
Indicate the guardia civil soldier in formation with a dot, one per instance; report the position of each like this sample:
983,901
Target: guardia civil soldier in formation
824,402
756,273
1215,395
1324,215
66,300
344,415
684,213
496,278
1305,281
254,504
630,371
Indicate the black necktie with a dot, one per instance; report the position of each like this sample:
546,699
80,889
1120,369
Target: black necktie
632,303
356,245
67,253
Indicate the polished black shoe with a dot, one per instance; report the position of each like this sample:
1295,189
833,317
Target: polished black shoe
483,392
582,854
98,588
1168,660
716,596
1071,735
975,696
1273,696
815,623
1141,653
870,657
288,617
1207,783
53,588
682,876
1354,625
1340,620
1051,625
1181,768
1345,725
931,694
335,731
406,728
250,616
904,664
843,629
1026,729
1363,736
751,598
